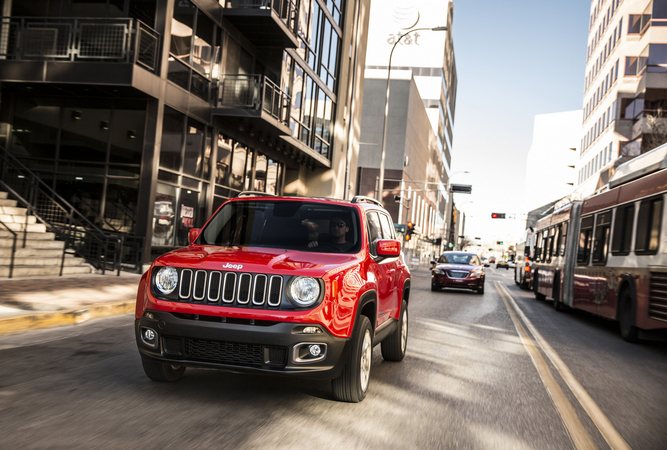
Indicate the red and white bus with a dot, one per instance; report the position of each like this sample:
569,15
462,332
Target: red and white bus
607,254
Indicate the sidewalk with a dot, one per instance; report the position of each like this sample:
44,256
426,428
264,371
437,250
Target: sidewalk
40,302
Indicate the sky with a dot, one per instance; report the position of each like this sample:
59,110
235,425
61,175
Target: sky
514,59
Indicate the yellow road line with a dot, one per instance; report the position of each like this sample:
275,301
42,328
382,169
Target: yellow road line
580,437
613,438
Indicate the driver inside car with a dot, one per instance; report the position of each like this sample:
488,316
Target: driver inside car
338,229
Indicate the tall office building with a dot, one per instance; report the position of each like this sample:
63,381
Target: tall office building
625,90
146,115
421,111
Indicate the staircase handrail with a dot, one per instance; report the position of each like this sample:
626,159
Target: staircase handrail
54,194
14,235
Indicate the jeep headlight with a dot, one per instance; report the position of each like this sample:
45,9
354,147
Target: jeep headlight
476,274
304,291
166,280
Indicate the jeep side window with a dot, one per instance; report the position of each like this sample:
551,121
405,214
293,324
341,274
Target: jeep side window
374,231
387,227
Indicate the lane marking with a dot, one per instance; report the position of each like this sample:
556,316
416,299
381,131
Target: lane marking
580,437
613,437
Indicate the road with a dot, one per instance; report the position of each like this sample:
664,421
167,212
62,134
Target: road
468,381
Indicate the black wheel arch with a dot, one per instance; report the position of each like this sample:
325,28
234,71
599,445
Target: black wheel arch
406,291
367,307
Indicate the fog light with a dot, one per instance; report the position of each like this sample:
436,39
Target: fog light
149,315
311,330
315,350
149,337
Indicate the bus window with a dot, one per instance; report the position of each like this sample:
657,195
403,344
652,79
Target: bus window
584,250
552,232
620,244
538,246
647,235
562,239
602,224
545,244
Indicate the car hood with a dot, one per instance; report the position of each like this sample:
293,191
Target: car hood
448,266
256,260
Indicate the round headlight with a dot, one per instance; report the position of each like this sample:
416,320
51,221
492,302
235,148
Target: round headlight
304,291
166,280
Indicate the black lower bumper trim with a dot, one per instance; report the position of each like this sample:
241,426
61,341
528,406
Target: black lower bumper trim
240,347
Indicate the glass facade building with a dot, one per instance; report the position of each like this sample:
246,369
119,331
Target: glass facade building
146,115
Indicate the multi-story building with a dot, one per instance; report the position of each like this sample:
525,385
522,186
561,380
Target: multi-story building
420,116
146,115
625,87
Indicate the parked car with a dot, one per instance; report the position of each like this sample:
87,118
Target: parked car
283,285
502,265
460,270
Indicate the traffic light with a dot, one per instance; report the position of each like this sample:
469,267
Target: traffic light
409,229
499,242
497,215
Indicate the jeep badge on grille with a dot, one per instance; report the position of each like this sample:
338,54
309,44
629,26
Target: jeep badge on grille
232,266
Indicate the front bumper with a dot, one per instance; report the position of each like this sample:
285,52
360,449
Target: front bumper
275,347
462,283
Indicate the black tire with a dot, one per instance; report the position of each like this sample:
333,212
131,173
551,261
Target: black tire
481,290
515,280
434,288
394,346
538,296
559,306
626,317
157,371
352,384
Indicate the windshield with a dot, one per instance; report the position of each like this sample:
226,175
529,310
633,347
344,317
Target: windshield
455,258
292,225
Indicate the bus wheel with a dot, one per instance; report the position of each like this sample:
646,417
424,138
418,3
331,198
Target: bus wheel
626,317
536,284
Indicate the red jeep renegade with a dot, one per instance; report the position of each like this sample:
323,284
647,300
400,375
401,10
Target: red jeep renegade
284,285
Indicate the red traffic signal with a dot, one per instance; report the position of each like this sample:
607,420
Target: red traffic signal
409,224
497,215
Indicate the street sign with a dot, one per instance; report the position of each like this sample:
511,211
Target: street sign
460,188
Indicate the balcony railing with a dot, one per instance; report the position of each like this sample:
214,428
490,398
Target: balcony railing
285,9
254,92
79,39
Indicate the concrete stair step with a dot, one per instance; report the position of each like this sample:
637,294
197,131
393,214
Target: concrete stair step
31,261
35,227
6,252
44,270
15,218
7,202
15,210
43,240
3,194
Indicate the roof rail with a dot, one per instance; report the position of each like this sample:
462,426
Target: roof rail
255,194
364,199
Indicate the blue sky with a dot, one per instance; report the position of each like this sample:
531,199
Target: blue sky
515,59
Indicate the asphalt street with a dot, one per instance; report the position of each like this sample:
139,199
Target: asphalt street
469,380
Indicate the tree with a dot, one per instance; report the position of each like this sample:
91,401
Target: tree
654,133
465,242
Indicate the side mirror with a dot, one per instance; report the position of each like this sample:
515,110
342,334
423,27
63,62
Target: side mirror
388,248
193,234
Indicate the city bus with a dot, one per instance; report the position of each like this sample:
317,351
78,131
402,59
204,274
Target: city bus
607,254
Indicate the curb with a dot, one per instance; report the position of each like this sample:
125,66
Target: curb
27,322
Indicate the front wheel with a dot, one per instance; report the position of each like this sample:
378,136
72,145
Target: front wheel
434,288
158,371
393,348
626,319
352,384
481,290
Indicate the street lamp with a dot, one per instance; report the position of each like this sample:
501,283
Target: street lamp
378,194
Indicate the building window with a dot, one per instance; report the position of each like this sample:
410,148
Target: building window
638,23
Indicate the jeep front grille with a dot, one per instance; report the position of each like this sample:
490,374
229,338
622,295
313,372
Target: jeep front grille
230,288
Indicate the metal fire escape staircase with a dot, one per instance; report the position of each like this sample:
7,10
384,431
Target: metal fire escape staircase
42,234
